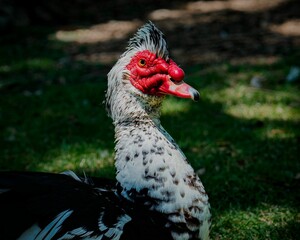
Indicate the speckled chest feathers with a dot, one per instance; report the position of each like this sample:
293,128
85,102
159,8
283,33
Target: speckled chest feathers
151,168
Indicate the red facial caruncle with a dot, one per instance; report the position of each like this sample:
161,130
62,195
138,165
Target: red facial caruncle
156,76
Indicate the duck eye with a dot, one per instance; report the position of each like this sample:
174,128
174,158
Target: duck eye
142,62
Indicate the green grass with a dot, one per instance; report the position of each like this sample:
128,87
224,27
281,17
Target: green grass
244,140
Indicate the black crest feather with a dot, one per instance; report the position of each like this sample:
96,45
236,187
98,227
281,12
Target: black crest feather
149,37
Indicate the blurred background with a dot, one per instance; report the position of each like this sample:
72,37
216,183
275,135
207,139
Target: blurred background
243,136
210,31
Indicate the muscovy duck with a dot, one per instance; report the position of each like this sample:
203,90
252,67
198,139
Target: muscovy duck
157,194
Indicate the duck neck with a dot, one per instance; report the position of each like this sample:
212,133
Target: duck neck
153,171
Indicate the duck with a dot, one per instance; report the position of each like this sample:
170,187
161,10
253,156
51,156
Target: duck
156,193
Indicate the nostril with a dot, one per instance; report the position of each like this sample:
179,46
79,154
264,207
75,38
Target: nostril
176,73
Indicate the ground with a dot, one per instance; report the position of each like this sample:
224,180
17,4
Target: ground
242,138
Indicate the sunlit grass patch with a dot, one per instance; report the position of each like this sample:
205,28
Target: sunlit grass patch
279,133
263,111
265,221
243,93
249,103
175,106
78,157
109,31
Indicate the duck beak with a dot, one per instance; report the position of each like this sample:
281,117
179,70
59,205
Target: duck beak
179,89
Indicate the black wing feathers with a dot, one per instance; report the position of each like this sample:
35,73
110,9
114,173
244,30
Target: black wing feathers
30,198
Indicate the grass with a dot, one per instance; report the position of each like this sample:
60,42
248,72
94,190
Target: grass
243,140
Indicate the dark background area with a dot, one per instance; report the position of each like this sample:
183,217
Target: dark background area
213,30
